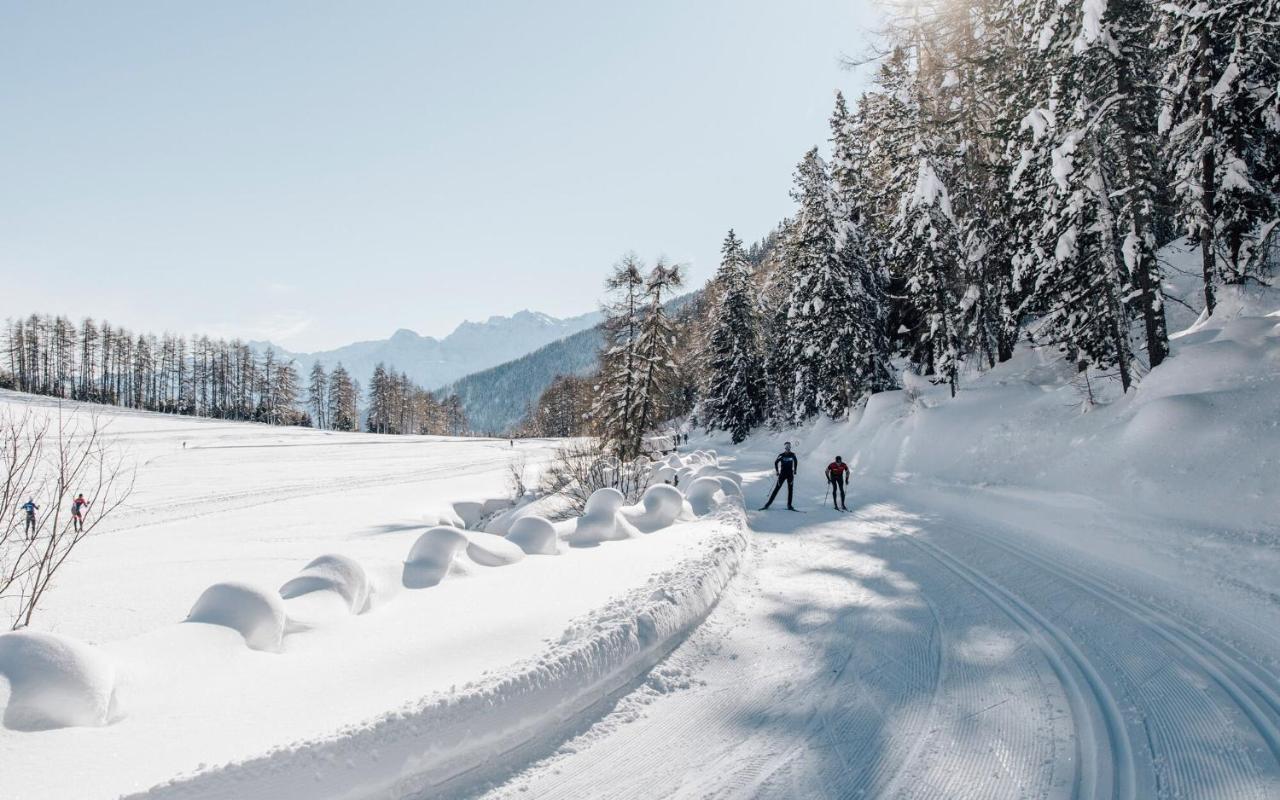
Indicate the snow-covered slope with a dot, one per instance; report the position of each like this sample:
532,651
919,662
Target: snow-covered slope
262,603
473,346
1026,599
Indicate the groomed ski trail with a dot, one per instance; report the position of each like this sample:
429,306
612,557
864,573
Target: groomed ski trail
931,644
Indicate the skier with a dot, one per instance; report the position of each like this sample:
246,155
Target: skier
838,477
31,508
785,467
77,512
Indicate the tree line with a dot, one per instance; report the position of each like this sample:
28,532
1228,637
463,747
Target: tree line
1009,177
204,377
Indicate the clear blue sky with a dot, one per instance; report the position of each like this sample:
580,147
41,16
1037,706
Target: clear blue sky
319,172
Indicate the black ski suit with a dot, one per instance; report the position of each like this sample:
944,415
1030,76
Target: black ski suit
785,465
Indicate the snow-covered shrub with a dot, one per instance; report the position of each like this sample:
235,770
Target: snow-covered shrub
534,535
56,682
491,550
258,614
660,506
333,573
601,521
581,468
702,494
431,556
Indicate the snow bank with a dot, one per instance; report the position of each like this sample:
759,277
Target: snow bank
333,573
534,535
56,682
702,494
660,506
450,742
258,614
491,550
1195,439
432,555
601,522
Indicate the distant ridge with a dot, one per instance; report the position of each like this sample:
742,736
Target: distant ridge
431,362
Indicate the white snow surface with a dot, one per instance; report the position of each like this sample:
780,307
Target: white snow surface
1030,597
113,693
1026,600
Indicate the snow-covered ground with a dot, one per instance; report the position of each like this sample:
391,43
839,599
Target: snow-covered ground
428,679
1028,598
1025,600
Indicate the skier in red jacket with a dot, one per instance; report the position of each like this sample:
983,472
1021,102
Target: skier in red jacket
838,477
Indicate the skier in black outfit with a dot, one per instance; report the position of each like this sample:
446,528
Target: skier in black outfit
785,466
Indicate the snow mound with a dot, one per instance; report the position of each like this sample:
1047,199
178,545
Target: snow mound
601,522
534,535
432,555
443,515
491,550
258,614
333,573
56,682
716,471
660,506
731,487
702,494
472,512
664,474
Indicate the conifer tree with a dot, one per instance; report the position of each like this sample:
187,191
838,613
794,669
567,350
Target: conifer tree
735,385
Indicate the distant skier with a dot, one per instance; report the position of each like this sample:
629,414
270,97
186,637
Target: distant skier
785,467
838,477
31,508
78,507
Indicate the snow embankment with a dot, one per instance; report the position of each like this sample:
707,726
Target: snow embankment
467,736
1196,439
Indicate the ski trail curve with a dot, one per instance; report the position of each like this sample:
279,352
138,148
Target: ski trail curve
1105,754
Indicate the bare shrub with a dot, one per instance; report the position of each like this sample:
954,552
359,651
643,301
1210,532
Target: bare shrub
50,460
517,469
581,467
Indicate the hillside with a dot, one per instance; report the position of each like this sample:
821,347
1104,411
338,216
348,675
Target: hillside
496,399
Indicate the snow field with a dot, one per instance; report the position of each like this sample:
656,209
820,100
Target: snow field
343,640
454,739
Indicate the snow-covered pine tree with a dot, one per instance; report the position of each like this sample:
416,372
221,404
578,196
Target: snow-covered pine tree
734,396
342,413
853,201
318,395
822,305
1222,62
655,356
619,362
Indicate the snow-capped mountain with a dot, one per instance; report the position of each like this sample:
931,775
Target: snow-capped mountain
472,347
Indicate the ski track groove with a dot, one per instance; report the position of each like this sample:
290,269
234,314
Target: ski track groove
1092,701
1241,683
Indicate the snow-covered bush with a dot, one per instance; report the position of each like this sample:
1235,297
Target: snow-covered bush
258,614
581,468
333,573
534,535
56,682
432,555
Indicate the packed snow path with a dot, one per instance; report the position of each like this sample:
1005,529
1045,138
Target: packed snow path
955,643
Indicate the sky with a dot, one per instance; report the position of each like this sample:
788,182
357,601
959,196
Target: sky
317,173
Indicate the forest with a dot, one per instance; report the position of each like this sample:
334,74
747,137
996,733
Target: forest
1009,178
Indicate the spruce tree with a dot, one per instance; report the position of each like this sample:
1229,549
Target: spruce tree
735,386
823,305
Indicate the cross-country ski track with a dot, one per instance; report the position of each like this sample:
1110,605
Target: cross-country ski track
942,643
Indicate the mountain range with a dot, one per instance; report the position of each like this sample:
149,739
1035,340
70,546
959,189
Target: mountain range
432,363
